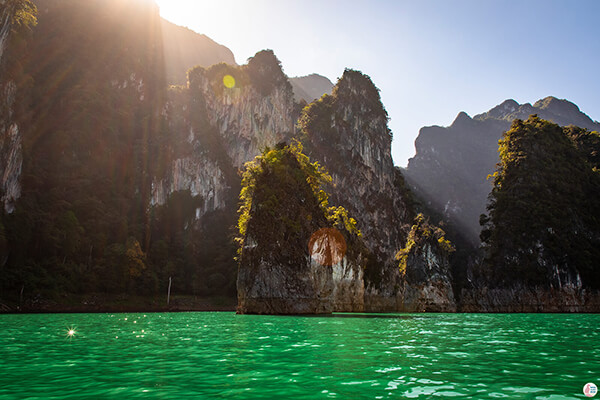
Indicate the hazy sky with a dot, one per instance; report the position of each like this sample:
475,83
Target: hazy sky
430,59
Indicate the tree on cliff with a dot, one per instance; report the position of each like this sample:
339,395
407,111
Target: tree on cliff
544,210
422,233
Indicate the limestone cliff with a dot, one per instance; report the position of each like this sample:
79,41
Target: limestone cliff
347,132
541,235
11,158
215,129
295,257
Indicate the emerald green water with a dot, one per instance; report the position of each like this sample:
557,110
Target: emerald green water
345,356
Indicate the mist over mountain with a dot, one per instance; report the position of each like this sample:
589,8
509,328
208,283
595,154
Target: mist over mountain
450,168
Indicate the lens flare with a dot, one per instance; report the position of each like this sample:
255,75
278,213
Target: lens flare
229,81
327,246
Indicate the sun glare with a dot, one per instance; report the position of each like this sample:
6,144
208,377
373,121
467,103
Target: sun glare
71,332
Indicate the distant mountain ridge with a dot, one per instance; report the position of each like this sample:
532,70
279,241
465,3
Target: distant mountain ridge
559,111
310,87
451,164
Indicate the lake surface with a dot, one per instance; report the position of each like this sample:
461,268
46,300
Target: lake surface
344,356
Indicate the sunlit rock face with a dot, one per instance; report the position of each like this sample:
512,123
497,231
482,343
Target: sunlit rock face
11,157
347,132
201,176
450,168
215,129
249,121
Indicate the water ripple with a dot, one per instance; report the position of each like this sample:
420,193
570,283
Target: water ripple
222,355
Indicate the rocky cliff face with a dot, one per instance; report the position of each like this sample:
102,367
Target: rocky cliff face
450,167
520,298
249,121
268,286
11,158
348,133
292,260
216,129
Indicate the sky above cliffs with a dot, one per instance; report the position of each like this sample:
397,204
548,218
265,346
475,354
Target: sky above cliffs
430,59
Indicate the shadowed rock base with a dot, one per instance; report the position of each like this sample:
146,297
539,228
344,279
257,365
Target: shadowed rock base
309,289
529,300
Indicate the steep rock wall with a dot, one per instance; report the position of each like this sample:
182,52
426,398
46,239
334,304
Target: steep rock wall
11,157
292,259
249,121
218,129
269,287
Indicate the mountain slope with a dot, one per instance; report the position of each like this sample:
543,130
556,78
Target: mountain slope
184,49
310,87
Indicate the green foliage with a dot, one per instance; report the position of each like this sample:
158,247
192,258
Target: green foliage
354,85
422,233
281,180
317,117
277,161
588,143
262,72
265,72
22,14
215,74
544,209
